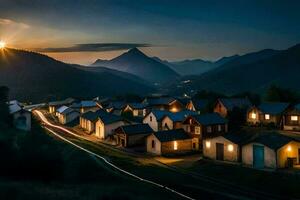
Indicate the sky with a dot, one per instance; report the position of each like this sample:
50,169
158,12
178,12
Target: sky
80,31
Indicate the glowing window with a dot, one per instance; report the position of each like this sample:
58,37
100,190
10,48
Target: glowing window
294,118
197,130
289,148
175,145
230,147
253,115
267,116
207,144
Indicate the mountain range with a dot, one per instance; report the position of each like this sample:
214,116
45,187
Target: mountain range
36,77
251,72
195,66
136,62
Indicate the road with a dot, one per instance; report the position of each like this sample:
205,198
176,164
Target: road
44,120
206,184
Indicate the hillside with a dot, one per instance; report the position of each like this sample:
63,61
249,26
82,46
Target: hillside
251,72
137,63
35,77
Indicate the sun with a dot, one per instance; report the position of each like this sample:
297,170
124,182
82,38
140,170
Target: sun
2,44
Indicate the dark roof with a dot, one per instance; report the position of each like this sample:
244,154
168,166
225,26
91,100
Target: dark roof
180,116
210,119
159,101
68,111
136,129
231,103
199,104
273,108
110,118
137,105
58,103
239,138
117,105
171,135
272,140
159,114
93,116
297,107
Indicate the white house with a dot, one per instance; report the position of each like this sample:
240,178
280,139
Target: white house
154,119
21,117
68,115
106,124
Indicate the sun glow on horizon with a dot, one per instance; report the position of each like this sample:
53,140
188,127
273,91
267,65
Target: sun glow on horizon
2,44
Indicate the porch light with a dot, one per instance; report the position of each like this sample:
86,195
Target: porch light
253,115
230,147
289,148
175,145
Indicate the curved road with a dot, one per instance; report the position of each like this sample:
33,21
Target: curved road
44,119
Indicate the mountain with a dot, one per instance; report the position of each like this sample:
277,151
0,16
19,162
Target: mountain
35,77
136,62
196,66
251,72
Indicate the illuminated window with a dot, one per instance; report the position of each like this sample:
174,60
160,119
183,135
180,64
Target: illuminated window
289,148
207,144
230,147
175,145
197,130
209,129
253,115
267,116
294,118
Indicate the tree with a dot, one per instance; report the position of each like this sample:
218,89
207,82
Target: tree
277,94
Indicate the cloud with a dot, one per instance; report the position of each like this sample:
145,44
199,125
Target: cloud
95,47
12,23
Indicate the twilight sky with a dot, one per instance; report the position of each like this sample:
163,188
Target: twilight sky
79,31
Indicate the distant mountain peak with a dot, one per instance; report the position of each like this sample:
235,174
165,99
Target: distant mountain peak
135,51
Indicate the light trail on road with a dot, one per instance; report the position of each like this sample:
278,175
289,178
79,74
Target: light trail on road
45,120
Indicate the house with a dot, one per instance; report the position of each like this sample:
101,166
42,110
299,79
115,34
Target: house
68,115
56,104
197,105
224,106
205,125
291,119
267,113
116,107
169,142
88,120
132,135
154,119
135,109
174,120
271,150
60,110
227,147
21,117
163,103
106,124
85,106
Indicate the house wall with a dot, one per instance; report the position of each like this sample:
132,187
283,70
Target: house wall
260,117
104,130
190,106
26,126
157,149
153,124
290,125
87,125
86,109
175,106
64,119
289,150
167,122
182,146
249,116
269,155
52,109
210,152
221,109
137,139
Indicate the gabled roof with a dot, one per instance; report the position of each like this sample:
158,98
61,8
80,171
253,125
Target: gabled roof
117,105
159,114
68,111
231,103
88,104
210,119
199,104
171,135
110,118
93,116
13,108
272,140
136,129
273,108
62,109
180,116
239,138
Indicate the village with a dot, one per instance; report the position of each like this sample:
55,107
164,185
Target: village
170,127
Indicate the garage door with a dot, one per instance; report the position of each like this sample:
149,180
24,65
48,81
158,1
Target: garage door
258,157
